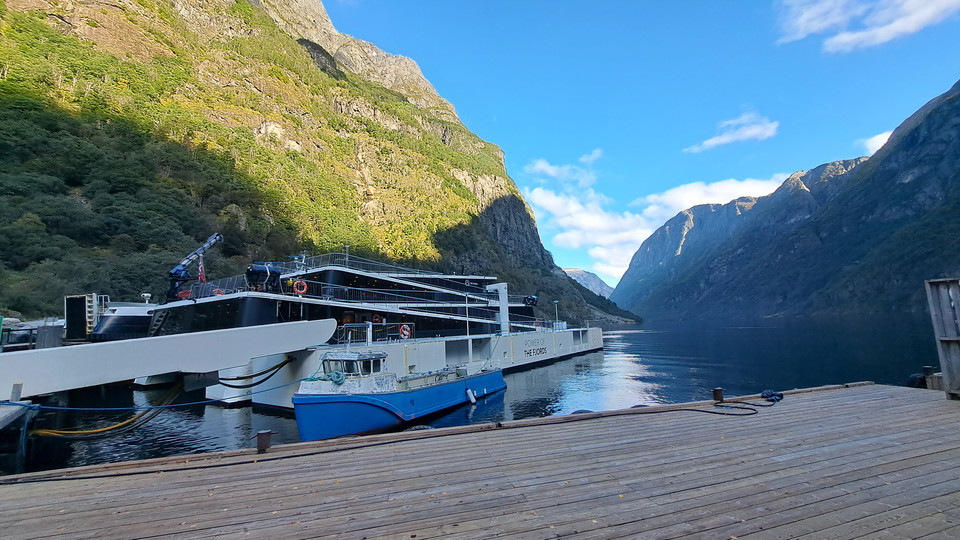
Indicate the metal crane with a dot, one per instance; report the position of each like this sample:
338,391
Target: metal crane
180,274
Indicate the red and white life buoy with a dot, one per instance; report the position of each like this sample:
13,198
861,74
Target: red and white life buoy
404,332
218,292
377,319
300,286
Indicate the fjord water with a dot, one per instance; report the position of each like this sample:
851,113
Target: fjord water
640,365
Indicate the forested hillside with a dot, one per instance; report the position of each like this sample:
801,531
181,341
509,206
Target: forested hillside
130,131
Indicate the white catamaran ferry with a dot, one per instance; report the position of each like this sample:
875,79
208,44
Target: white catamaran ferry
315,331
408,342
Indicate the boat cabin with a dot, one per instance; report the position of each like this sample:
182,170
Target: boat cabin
356,364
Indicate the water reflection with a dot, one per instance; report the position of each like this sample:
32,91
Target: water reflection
639,366
177,431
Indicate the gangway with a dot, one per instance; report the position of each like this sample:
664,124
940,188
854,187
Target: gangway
44,371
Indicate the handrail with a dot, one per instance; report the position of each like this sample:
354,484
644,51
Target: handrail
303,264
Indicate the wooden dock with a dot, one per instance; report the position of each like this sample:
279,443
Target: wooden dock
865,461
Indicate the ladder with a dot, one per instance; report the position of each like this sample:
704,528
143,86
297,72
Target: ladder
96,305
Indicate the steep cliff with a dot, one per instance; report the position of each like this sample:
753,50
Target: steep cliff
856,236
129,131
308,20
591,281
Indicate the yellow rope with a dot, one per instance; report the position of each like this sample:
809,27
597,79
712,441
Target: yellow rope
166,400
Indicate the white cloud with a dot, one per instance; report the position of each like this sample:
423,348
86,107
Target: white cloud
581,219
659,207
592,157
801,18
858,24
872,144
565,173
747,126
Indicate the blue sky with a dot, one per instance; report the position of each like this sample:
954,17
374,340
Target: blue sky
616,115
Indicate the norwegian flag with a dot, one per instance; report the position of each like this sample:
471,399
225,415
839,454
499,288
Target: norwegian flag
202,276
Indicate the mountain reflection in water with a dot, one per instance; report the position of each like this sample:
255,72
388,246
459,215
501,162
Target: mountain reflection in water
640,365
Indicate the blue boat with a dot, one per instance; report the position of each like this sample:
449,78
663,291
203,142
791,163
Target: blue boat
358,395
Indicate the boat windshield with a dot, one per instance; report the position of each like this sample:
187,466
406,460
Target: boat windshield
353,367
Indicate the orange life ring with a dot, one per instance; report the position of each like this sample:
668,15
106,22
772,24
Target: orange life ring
218,292
404,332
300,286
377,319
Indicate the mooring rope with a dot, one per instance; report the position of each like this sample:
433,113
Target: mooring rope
268,370
37,407
130,423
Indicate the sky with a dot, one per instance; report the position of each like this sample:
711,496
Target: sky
616,115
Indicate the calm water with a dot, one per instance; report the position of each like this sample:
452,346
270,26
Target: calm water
639,365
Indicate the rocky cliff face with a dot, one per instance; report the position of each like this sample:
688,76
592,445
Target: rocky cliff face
591,281
681,263
307,19
856,236
681,243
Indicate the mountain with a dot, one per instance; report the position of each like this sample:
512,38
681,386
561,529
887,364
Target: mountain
130,131
591,281
851,237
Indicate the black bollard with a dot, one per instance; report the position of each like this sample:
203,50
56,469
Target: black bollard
263,440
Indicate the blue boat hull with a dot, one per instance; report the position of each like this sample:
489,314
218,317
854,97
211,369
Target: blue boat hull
323,416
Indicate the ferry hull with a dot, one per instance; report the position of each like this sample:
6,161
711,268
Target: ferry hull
324,416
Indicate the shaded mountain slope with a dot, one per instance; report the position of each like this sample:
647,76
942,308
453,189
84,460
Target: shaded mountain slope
858,236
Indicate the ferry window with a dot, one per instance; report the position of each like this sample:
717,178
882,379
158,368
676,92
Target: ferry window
351,367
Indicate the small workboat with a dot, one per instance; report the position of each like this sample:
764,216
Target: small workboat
360,393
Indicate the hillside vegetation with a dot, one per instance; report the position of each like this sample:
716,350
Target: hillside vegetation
130,131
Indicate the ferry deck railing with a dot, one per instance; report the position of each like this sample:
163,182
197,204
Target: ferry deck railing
472,303
303,264
371,332
433,302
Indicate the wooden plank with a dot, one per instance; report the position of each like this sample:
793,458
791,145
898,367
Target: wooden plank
666,508
910,521
831,453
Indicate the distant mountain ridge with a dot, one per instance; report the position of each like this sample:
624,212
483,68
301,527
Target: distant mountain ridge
591,281
852,236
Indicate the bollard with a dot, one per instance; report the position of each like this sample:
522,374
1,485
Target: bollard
263,440
718,394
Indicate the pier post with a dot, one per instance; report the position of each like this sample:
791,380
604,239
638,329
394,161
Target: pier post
943,297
